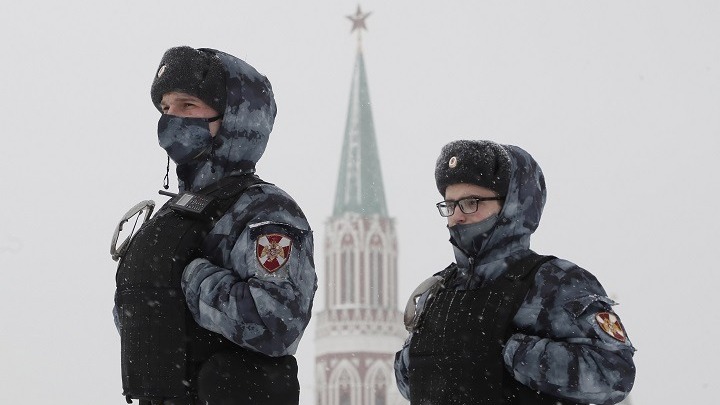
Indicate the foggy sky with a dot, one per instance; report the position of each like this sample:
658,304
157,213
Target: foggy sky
617,100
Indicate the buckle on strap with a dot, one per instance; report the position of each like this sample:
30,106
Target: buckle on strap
118,251
412,315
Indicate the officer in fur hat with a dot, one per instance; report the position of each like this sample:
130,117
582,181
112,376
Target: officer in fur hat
504,325
252,283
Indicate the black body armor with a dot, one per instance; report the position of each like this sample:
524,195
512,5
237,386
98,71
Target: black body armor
162,347
456,351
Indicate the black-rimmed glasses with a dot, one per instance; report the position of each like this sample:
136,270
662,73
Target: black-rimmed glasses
467,205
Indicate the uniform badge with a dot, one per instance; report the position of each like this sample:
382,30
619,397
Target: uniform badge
611,325
273,250
453,162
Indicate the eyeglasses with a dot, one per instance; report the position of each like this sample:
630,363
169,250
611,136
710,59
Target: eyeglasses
467,205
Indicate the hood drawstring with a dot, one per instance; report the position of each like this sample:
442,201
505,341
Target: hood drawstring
166,180
211,158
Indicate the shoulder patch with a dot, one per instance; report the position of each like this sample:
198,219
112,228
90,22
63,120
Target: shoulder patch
272,250
611,325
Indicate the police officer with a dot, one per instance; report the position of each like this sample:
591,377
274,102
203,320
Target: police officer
504,325
255,281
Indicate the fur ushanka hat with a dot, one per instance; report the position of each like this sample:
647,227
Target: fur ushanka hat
197,72
483,163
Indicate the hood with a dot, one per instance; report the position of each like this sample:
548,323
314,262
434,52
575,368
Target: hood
519,217
248,119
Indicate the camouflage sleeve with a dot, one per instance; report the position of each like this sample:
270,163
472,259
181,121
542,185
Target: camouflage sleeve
402,361
571,344
261,298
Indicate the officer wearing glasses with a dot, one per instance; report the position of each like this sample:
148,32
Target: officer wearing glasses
504,325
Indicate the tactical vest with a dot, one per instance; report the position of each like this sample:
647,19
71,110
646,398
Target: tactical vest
162,347
456,351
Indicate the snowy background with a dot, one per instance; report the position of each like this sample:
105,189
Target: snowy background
618,101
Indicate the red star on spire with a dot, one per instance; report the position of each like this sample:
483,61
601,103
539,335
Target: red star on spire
358,20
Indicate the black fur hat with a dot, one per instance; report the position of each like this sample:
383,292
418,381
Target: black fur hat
197,72
483,163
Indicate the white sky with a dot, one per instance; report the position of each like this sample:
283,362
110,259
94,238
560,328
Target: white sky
617,100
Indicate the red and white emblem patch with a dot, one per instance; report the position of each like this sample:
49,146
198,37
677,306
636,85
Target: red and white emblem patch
273,250
611,325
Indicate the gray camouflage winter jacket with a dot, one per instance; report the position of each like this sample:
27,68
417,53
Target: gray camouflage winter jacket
256,283
570,343
260,304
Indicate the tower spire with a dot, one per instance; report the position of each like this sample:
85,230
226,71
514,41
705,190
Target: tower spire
360,186
360,327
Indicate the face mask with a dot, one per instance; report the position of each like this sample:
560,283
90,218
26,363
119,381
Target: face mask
469,237
184,138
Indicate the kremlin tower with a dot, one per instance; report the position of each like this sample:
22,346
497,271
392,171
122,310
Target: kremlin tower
359,328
